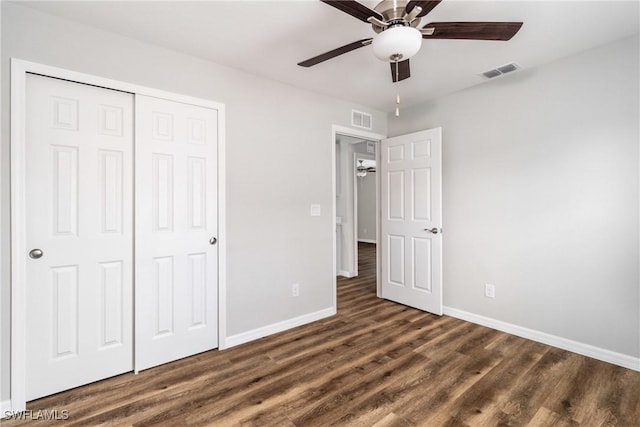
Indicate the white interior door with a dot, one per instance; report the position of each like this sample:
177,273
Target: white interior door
176,224
411,219
79,321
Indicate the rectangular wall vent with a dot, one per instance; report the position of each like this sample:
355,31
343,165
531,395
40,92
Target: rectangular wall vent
500,71
360,119
371,147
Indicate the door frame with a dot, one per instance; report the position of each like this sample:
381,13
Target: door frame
355,133
19,70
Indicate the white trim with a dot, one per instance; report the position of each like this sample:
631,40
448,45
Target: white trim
334,225
222,231
19,69
18,244
61,73
378,219
2,284
3,302
354,212
367,241
274,328
356,133
347,274
354,231
588,350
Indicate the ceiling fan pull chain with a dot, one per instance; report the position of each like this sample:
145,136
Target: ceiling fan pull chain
397,92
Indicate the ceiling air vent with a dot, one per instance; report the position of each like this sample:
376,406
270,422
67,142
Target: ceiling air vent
360,119
499,71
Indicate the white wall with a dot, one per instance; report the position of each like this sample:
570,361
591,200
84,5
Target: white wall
541,194
272,131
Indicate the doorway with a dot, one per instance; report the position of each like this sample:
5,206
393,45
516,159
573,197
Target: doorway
351,145
408,216
355,186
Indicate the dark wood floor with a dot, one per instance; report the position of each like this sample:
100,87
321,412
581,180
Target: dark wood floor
374,363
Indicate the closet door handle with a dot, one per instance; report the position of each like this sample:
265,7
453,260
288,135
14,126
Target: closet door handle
433,230
36,253
213,241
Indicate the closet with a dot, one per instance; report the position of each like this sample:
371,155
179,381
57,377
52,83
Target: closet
120,197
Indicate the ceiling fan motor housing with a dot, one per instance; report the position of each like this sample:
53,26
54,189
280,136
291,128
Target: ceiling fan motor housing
393,13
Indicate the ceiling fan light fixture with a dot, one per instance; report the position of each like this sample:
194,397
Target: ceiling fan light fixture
361,171
397,43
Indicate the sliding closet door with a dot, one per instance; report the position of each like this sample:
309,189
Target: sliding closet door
79,232
176,226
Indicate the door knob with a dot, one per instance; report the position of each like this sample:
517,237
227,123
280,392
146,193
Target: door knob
36,253
213,241
433,230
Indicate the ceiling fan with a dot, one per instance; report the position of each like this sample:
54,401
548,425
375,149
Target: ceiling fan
362,170
398,38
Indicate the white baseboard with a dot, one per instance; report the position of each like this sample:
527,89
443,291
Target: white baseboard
347,274
254,334
367,241
609,356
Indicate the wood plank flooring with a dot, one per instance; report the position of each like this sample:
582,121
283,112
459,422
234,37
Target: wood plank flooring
375,363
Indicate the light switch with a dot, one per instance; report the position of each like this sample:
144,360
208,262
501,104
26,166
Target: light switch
315,210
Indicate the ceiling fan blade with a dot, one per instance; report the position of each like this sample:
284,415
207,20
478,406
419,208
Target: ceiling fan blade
355,9
472,30
400,70
335,52
427,6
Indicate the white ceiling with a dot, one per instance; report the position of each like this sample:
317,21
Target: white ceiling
268,38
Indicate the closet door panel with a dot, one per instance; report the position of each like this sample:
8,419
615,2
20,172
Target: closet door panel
176,219
79,232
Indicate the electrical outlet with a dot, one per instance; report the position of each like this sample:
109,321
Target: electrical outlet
489,290
295,290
